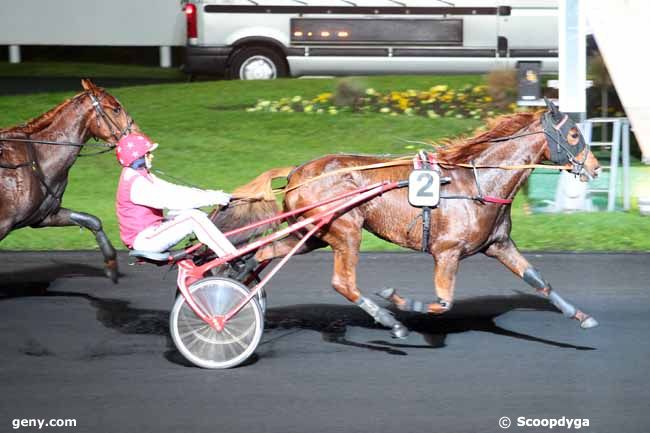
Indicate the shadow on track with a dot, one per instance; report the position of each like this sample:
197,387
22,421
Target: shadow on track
473,314
35,281
332,321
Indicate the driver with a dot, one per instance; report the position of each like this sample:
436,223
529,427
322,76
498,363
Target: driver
141,198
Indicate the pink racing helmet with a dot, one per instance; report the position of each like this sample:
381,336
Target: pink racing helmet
132,147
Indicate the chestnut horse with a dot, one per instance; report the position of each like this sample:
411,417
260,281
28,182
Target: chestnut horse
459,227
35,159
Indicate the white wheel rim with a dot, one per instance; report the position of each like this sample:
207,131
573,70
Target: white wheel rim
203,345
258,68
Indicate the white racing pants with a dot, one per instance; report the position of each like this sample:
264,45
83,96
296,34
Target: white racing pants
167,234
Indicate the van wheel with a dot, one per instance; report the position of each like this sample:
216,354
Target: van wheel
257,63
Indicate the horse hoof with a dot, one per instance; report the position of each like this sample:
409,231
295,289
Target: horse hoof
589,322
386,293
399,331
110,270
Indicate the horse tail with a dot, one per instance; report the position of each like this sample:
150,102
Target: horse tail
252,202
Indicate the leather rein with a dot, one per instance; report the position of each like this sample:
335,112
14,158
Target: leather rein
550,129
408,160
33,160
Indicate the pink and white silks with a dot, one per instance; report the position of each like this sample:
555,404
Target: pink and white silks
141,197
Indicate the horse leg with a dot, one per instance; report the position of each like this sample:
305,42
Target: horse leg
507,253
344,236
67,217
444,279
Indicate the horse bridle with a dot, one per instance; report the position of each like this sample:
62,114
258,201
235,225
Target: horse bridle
113,127
559,146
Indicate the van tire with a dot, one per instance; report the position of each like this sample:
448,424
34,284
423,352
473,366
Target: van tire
261,62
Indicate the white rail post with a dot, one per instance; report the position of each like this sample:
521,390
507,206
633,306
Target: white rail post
572,59
165,57
625,144
14,53
613,166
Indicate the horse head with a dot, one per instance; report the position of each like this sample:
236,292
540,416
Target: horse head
566,145
109,120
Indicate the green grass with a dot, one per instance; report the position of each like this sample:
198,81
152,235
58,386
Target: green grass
208,139
84,70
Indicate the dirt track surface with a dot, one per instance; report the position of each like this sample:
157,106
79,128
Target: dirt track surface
76,346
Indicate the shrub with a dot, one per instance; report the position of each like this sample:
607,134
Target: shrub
502,87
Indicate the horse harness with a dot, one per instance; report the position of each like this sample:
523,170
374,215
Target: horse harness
555,126
38,170
427,161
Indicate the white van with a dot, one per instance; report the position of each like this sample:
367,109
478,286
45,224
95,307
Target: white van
265,39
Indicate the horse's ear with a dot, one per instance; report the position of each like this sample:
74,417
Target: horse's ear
552,107
88,85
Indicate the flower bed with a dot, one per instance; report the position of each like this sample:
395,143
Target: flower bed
439,101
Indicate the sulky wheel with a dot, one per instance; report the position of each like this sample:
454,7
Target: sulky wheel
241,274
203,345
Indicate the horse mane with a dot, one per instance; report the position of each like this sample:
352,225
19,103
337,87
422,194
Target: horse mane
41,122
462,149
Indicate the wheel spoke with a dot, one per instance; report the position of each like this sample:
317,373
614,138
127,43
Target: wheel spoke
202,344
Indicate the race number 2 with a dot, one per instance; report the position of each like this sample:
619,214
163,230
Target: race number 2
424,188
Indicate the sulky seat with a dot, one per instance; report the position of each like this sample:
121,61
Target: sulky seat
150,256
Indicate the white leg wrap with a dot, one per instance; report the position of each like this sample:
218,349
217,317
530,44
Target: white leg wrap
567,309
381,315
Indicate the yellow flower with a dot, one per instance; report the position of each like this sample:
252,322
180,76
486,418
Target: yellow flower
487,99
324,97
447,97
440,88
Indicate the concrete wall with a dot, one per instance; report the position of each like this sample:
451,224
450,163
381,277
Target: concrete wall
90,22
